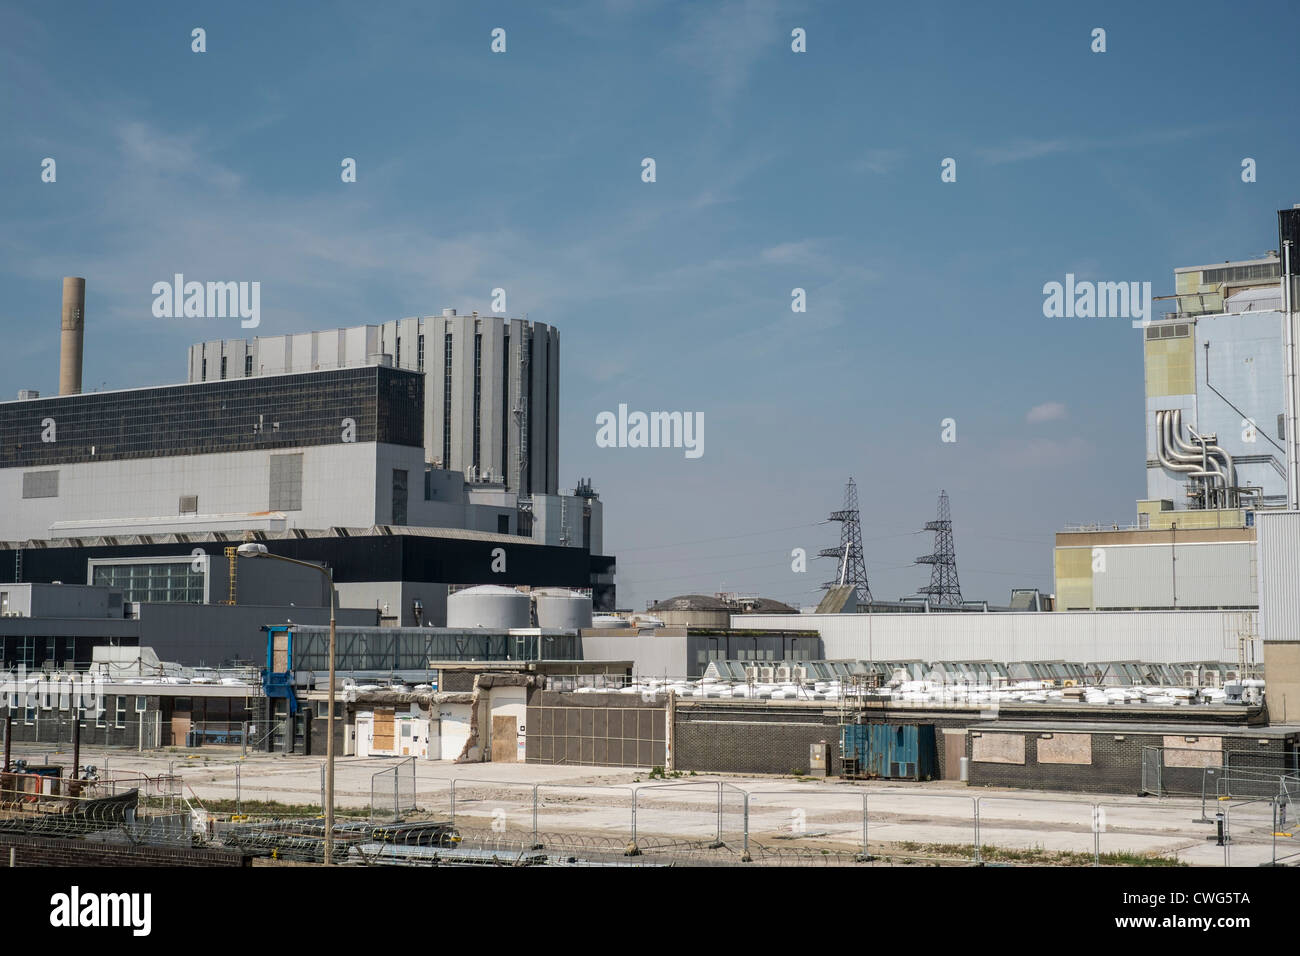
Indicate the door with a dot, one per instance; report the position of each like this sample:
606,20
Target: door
505,746
384,742
954,748
180,728
365,734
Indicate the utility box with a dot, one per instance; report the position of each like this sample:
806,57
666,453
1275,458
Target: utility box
818,759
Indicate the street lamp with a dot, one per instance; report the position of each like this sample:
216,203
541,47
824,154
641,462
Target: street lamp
252,549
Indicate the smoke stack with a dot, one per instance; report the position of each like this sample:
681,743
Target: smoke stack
74,323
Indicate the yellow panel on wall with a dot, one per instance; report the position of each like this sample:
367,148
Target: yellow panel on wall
1171,366
1073,578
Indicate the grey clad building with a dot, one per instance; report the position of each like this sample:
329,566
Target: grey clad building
492,385
147,491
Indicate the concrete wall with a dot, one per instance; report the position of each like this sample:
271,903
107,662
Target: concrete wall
339,488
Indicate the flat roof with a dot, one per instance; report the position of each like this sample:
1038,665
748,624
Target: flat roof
1122,727
1227,265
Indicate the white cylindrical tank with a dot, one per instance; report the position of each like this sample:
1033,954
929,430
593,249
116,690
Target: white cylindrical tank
488,605
559,607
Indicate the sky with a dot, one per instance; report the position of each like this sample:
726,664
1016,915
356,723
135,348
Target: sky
774,170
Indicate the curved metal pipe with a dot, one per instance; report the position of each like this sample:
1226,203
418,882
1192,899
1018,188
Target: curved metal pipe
1228,467
1162,446
1164,450
1212,466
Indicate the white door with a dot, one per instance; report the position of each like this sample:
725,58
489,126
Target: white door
365,734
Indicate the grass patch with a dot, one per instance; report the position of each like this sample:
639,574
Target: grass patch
1036,855
274,808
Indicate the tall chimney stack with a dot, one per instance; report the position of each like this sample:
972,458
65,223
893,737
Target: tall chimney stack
74,323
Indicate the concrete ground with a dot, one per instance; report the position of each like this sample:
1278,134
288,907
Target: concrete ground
782,812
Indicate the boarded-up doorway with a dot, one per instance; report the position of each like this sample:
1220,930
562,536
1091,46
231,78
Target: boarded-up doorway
383,739
954,749
505,748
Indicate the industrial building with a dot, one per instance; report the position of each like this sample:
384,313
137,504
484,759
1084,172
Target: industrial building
705,610
149,489
493,385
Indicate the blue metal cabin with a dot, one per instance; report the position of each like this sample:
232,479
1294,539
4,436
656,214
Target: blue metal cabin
890,751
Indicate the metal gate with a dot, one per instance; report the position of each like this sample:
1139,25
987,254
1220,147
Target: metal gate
1152,762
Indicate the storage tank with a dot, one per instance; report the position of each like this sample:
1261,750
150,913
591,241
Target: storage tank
489,605
562,608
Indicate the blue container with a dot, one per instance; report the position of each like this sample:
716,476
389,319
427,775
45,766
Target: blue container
889,751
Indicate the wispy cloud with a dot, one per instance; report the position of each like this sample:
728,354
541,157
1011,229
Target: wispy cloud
1023,149
1046,412
724,42
880,161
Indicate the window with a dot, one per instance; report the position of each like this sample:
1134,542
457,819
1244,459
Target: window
248,365
419,353
223,366
286,482
189,504
157,582
27,651
120,715
1281,428
203,376
29,715
399,496
99,712
397,359
478,398
505,412
40,484
446,401
141,704
4,602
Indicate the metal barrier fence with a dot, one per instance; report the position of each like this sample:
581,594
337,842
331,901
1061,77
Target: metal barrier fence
1169,771
466,821
394,787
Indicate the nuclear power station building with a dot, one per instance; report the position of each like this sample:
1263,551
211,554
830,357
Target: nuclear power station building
336,455
491,385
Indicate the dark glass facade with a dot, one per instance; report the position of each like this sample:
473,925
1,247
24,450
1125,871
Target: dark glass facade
282,411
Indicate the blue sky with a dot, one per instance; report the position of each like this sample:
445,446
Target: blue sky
775,170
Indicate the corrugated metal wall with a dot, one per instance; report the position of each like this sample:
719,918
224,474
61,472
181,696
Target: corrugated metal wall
1083,636
1279,575
1207,575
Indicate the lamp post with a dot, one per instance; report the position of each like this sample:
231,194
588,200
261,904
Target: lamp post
254,550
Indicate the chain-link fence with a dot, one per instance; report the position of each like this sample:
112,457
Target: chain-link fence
392,791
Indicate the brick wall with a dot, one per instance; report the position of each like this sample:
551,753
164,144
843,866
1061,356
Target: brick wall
757,737
1116,765
51,851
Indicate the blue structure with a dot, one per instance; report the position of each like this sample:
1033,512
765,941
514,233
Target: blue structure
890,751
277,676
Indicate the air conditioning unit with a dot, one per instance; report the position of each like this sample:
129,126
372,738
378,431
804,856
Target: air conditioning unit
798,672
765,674
752,673
1189,679
781,673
